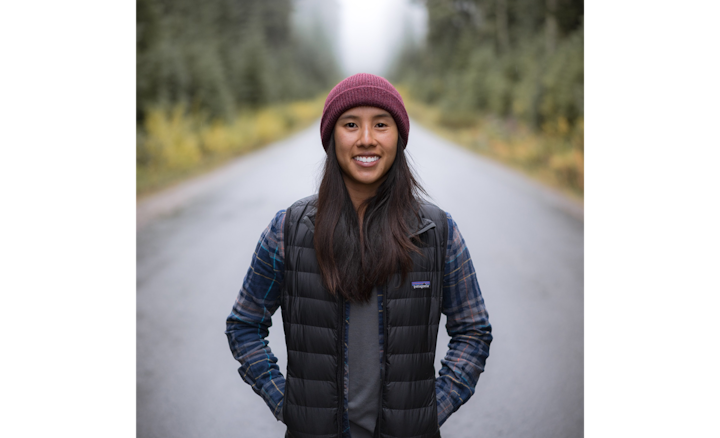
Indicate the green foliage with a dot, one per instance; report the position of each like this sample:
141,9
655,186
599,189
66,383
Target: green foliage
224,56
462,68
519,62
216,78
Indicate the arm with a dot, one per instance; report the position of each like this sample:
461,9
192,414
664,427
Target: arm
467,325
251,317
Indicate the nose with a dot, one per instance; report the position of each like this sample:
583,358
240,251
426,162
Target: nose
367,138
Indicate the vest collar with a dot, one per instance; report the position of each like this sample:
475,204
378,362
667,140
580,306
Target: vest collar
421,226
417,225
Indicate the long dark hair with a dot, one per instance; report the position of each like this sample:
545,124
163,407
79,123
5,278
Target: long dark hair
351,265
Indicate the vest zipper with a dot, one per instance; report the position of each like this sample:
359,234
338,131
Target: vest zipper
341,365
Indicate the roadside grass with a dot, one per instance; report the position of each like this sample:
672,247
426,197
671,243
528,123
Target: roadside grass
554,156
176,143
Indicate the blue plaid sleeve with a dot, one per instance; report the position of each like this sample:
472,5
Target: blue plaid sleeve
467,325
251,317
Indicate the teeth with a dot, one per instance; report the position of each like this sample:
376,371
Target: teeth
367,159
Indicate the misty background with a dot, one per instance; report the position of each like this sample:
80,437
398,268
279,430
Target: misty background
229,96
218,78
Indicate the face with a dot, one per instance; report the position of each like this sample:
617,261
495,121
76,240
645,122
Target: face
366,145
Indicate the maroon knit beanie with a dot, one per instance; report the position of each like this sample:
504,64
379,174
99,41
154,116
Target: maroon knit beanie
363,89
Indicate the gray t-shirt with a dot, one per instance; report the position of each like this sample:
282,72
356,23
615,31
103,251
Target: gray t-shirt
363,367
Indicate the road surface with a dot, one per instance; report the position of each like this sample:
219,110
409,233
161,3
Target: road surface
194,245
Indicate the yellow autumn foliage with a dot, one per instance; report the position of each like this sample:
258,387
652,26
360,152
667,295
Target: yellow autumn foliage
554,155
176,142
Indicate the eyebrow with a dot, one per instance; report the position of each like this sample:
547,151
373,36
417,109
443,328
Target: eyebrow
376,116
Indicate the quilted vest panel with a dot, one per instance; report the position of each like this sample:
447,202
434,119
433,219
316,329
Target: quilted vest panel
313,323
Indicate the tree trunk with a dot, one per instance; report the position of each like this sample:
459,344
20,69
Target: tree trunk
551,26
501,15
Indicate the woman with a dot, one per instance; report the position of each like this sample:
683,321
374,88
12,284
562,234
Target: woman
362,271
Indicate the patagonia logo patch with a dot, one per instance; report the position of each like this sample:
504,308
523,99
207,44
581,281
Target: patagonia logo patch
420,284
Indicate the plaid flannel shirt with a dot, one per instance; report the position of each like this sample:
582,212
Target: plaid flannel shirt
467,323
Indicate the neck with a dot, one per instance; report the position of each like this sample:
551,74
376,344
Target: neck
359,193
358,198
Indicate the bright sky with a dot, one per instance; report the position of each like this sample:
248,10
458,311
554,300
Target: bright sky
371,32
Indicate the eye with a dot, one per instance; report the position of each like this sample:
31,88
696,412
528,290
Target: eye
381,125
351,125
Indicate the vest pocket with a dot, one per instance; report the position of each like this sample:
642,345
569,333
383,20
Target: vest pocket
302,420
421,422
410,395
311,393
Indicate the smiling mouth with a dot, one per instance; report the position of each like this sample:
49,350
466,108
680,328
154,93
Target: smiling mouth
368,159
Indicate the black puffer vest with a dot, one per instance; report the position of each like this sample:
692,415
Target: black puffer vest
313,321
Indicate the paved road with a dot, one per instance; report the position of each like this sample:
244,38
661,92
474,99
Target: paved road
194,245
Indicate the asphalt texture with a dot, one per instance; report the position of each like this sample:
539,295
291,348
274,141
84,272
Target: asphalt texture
195,242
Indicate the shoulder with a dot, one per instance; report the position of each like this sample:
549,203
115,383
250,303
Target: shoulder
452,225
308,201
432,211
273,237
306,206
455,241
302,206
275,230
278,221
439,216
301,211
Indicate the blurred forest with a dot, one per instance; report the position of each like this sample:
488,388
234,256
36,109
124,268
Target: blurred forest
218,77
505,78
